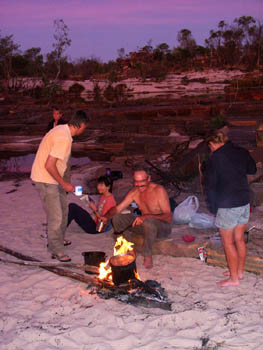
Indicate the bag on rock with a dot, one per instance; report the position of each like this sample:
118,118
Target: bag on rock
202,221
184,211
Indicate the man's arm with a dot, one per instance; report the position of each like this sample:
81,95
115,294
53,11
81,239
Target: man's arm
122,205
51,168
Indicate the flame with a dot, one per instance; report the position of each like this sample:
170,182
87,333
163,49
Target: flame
122,246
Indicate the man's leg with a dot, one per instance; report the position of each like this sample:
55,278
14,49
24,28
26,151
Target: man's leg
51,202
64,208
231,253
122,222
152,229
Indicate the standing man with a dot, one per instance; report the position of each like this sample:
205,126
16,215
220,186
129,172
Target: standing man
47,173
56,119
156,218
228,197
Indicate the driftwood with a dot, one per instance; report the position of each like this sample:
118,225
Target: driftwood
86,268
59,271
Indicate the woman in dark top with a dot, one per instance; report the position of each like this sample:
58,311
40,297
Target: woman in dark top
228,197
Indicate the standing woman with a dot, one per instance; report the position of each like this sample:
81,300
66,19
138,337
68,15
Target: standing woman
228,197
106,201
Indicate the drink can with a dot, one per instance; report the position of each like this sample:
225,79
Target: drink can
78,190
100,226
202,254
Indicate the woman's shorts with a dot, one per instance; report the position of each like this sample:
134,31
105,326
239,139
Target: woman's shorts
228,218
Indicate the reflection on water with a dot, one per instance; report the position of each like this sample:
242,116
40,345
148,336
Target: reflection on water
23,164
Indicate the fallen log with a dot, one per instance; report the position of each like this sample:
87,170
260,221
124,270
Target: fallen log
59,271
86,268
253,263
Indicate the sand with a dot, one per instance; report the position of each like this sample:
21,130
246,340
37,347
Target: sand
41,311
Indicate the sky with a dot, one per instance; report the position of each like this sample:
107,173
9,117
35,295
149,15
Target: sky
99,28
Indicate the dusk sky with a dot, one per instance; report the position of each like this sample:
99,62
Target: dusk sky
98,28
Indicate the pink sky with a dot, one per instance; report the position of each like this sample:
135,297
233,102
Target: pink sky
100,27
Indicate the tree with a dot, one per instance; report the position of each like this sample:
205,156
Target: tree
8,48
62,42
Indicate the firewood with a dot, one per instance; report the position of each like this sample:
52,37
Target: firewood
57,270
86,268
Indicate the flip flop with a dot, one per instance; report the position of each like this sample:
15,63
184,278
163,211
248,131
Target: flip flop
61,257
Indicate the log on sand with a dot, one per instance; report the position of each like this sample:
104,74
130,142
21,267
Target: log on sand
217,258
58,270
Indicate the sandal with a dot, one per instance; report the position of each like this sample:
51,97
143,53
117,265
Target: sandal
61,257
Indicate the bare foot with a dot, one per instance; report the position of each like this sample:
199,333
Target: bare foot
148,262
227,283
240,275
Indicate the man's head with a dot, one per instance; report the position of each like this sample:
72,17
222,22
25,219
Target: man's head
78,123
57,114
141,177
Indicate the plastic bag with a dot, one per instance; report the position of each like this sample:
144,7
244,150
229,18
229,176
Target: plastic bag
202,221
184,211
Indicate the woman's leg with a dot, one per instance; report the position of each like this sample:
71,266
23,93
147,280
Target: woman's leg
231,253
241,249
82,218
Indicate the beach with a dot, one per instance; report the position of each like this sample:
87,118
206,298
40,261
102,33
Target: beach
43,311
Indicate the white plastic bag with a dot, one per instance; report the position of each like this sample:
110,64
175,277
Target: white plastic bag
202,221
184,211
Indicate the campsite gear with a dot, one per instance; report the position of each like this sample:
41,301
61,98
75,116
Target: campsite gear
202,221
185,210
94,258
188,238
123,268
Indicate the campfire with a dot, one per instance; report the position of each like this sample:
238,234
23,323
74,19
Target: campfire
121,267
120,280
118,277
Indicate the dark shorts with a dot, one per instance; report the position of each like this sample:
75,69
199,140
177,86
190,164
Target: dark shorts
228,218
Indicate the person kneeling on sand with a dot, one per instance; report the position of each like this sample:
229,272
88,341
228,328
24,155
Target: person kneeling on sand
106,201
228,197
156,219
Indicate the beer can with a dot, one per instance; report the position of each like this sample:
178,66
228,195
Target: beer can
100,226
202,254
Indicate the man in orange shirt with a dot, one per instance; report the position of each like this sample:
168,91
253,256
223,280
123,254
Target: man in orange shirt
47,173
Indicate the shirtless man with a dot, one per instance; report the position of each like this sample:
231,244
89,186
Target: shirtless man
156,218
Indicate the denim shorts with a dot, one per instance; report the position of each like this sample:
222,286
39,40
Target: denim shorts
228,218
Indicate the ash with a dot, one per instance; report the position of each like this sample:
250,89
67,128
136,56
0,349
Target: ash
147,294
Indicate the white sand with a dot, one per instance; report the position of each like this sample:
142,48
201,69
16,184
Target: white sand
40,310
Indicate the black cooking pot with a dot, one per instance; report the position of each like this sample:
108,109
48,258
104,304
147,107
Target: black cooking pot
123,268
94,258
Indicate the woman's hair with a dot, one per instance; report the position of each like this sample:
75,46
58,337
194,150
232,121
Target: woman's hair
106,180
217,137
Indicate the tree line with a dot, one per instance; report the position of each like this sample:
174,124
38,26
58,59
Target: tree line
236,45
